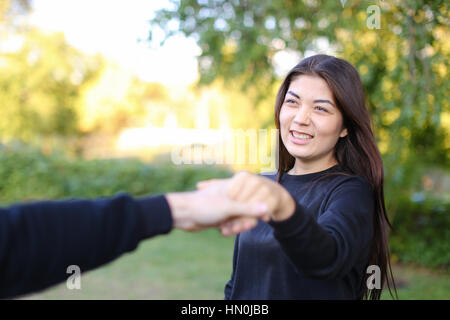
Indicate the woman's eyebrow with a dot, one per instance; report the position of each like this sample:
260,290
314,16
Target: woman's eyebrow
294,94
324,101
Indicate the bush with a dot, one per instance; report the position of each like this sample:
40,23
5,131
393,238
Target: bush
422,232
421,229
26,174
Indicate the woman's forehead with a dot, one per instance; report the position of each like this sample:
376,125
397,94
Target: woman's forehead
307,85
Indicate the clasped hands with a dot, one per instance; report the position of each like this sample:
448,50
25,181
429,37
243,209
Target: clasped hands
233,205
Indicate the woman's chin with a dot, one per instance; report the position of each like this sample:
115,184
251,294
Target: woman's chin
299,154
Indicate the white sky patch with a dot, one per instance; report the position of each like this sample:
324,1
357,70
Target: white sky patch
284,61
112,28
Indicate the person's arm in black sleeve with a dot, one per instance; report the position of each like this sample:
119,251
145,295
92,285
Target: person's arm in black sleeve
38,241
229,285
329,247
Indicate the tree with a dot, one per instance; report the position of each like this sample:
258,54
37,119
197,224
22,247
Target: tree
40,80
400,49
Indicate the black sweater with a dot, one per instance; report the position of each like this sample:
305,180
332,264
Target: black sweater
38,241
321,252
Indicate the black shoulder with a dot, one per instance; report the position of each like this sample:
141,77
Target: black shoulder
270,175
360,182
351,180
352,188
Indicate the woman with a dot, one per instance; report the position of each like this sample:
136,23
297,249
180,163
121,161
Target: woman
320,245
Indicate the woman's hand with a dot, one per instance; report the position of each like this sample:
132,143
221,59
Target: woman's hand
210,207
250,188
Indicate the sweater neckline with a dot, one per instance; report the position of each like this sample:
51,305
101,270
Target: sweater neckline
310,176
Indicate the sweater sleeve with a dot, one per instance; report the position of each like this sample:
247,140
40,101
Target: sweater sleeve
329,246
229,285
38,241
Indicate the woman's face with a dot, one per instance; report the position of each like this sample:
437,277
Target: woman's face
310,122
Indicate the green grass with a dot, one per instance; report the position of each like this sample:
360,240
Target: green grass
180,265
185,265
416,283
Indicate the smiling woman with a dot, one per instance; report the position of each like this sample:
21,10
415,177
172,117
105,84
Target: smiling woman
310,124
325,247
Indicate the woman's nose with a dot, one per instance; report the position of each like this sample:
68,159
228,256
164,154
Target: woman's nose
303,116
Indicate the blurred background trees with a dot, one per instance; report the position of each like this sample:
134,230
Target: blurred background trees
60,105
401,49
40,84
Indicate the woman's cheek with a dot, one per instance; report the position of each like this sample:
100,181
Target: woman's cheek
284,125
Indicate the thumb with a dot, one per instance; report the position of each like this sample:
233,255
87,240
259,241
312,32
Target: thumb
208,183
235,208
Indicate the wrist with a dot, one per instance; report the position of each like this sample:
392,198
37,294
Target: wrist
180,209
286,210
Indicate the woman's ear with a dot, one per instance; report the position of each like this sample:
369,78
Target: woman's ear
343,133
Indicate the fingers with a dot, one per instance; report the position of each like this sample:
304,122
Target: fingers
245,186
247,215
240,187
264,195
238,225
249,212
249,189
248,198
256,210
238,184
208,183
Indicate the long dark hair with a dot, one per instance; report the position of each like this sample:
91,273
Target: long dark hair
356,153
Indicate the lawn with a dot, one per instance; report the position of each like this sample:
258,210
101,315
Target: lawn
184,265
416,283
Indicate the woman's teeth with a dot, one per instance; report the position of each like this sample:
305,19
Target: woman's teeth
301,136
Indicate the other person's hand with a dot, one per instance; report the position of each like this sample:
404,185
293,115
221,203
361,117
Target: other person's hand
211,207
250,188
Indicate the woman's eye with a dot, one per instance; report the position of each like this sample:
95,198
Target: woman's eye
321,108
290,101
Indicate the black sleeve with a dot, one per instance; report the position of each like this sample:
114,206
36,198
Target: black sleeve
329,247
38,241
229,285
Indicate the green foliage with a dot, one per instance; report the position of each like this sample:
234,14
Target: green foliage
26,174
403,61
422,232
39,86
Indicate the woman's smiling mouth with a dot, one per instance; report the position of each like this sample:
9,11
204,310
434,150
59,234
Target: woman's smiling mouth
299,138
